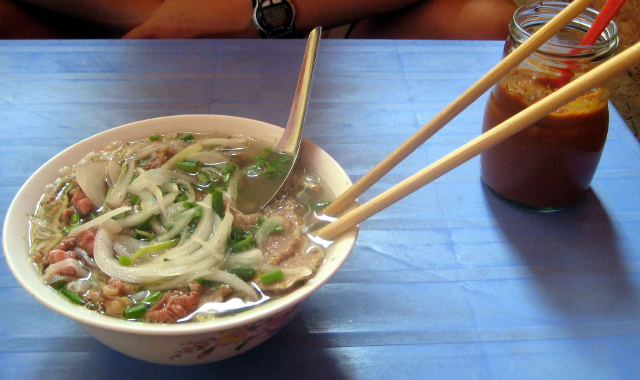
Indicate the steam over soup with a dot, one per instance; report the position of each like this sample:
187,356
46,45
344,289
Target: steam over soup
149,230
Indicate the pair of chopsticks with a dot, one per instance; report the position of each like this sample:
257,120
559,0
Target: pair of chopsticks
485,141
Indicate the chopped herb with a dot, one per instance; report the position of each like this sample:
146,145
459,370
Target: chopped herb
59,285
75,218
243,245
187,138
189,204
165,259
152,298
198,213
182,198
134,199
155,247
124,260
119,216
277,229
154,137
72,297
269,277
203,177
135,312
189,167
207,283
216,202
69,228
145,233
144,225
268,149
244,273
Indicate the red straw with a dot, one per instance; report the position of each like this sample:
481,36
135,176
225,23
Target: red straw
609,10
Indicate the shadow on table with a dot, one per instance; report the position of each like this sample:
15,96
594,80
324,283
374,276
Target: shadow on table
292,353
573,254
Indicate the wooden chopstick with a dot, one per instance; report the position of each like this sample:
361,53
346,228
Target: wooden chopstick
457,106
485,141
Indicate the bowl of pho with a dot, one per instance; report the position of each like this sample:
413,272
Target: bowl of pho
135,234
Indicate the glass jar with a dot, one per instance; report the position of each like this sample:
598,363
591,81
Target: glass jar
549,165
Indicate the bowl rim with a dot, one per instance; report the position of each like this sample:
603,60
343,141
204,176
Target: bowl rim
94,319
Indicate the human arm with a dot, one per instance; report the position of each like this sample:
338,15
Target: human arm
233,18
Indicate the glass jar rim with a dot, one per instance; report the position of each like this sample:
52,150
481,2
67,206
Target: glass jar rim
586,18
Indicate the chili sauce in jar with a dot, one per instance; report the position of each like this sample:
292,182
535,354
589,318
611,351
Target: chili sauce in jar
549,165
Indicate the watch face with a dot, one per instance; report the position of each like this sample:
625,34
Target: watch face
275,14
275,20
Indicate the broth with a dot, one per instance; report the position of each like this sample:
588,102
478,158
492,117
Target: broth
149,230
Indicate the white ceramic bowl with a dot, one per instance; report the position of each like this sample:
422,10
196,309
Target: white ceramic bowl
188,343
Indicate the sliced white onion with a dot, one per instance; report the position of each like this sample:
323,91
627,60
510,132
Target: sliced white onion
265,230
113,172
60,265
251,257
181,222
155,190
229,279
112,225
157,227
99,220
103,255
56,277
170,187
186,152
156,177
119,191
91,179
139,217
209,157
125,245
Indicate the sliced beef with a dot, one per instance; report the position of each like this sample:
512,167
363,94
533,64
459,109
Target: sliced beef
280,246
117,287
66,215
298,267
175,305
239,219
159,157
80,202
85,240
67,244
57,255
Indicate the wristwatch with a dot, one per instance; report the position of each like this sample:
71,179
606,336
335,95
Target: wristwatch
274,18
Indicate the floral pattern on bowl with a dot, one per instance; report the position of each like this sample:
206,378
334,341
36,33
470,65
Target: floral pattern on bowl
238,337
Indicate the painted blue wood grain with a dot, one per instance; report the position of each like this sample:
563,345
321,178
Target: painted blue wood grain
450,282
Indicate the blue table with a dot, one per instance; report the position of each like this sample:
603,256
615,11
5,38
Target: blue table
449,283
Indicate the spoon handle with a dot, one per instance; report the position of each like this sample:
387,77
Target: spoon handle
290,141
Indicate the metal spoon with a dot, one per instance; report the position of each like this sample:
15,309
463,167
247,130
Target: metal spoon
289,145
